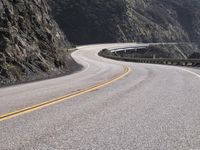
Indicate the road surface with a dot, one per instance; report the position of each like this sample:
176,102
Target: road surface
114,105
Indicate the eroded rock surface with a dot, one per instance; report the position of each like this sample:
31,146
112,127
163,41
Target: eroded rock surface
31,43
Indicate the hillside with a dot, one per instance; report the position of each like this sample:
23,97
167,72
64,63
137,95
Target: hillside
31,43
102,21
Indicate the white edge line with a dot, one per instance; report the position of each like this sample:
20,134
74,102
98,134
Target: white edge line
191,72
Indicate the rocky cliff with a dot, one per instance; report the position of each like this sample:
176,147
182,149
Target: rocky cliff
31,43
100,21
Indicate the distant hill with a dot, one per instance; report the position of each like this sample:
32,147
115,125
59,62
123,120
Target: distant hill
97,21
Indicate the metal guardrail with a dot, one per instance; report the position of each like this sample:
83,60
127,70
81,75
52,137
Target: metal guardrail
127,49
166,61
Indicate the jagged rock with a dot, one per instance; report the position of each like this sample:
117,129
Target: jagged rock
31,42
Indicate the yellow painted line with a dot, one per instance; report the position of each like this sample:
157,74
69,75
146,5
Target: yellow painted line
10,115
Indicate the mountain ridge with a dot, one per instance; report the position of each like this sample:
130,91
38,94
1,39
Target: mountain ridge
101,21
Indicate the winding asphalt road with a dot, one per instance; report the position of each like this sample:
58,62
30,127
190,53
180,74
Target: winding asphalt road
114,105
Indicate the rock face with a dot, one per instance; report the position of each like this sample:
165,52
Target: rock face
164,20
30,41
97,21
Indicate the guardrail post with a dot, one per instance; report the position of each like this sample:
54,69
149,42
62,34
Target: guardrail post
169,63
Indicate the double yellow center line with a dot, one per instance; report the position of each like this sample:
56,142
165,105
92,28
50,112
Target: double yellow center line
63,98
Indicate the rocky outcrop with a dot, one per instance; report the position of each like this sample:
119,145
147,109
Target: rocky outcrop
102,21
164,20
31,43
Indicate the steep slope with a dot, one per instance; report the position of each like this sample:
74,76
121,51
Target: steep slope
31,42
164,20
92,21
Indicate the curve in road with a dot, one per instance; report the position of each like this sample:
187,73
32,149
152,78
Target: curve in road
153,107
63,98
